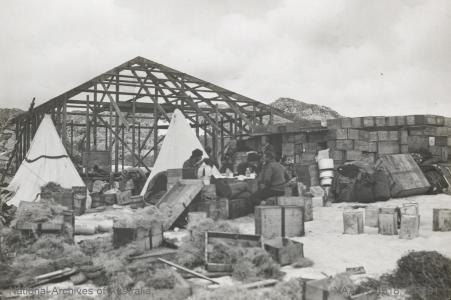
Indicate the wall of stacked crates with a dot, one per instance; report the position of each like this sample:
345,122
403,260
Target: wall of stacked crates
361,138
365,138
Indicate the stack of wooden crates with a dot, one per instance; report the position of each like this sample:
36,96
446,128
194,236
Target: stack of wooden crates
366,138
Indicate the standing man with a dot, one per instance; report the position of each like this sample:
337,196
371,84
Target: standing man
271,180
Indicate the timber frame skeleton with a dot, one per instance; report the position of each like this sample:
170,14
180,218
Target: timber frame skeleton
111,101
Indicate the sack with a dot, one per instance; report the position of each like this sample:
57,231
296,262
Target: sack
343,188
363,189
223,189
381,188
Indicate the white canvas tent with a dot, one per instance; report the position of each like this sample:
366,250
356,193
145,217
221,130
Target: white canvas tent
46,161
177,146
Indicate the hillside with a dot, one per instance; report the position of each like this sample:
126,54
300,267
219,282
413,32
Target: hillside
302,110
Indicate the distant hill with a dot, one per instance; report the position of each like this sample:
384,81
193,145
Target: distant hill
6,114
302,110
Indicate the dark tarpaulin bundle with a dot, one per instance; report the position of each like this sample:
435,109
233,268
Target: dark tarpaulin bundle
360,183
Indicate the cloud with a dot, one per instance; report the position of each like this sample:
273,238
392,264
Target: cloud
358,57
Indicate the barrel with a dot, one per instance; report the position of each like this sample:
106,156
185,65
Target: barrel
353,222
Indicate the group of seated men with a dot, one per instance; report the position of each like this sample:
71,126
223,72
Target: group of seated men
272,177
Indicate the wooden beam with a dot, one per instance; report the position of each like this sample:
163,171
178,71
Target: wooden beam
116,107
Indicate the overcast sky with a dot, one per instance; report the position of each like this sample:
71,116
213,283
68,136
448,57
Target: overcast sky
358,57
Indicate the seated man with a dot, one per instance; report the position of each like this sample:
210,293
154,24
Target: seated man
194,161
271,180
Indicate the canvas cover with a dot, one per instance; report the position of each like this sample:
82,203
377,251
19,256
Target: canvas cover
46,161
177,146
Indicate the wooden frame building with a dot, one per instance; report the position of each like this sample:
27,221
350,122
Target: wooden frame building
115,103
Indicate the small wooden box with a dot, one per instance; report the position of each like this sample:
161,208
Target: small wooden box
388,223
441,219
284,251
304,201
235,239
279,221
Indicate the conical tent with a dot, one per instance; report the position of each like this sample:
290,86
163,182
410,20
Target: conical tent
46,161
177,146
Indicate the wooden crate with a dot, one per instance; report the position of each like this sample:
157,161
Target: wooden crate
283,250
232,239
382,135
390,121
388,223
353,134
344,144
337,154
354,155
357,122
441,219
417,143
393,135
239,208
177,199
304,201
401,120
346,122
215,209
149,238
387,147
379,121
405,176
373,136
368,122
279,221
337,134
333,123
360,145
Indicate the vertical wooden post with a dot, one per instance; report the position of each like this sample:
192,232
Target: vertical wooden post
222,138
271,117
133,130
116,144
205,134
94,125
88,127
17,133
64,123
106,138
122,147
155,127
71,137
139,142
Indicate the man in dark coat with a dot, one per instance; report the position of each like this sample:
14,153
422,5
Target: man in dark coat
271,180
